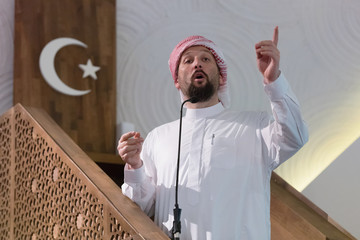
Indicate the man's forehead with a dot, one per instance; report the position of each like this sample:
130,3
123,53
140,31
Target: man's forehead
196,49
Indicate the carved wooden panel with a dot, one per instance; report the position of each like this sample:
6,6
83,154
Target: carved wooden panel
51,198
90,120
5,176
54,191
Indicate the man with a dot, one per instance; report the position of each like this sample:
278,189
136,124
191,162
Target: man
226,157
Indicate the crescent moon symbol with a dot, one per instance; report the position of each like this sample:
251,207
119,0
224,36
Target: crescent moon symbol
46,63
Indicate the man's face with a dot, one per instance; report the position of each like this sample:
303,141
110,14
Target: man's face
198,74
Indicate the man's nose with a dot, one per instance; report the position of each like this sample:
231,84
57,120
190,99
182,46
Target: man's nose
197,63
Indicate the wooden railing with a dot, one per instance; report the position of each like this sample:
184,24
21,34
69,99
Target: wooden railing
50,189
294,217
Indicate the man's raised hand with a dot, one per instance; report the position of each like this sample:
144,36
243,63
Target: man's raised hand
268,58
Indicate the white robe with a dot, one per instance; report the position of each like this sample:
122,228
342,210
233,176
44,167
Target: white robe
225,167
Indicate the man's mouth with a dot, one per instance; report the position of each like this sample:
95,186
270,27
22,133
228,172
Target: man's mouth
199,76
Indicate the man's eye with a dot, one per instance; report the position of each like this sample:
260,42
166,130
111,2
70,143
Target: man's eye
206,59
187,61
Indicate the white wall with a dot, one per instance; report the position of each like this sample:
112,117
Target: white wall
6,54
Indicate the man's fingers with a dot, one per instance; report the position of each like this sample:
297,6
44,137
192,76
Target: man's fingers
126,136
270,51
273,42
137,135
276,35
264,43
128,155
267,48
269,54
130,142
129,148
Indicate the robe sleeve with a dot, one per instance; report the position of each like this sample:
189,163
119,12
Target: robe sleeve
139,184
285,132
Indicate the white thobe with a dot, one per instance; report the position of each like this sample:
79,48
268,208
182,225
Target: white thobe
225,167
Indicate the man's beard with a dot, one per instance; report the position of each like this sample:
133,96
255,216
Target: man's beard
202,93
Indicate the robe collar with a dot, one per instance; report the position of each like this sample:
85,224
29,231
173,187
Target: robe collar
204,112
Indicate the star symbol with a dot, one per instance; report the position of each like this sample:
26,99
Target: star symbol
89,69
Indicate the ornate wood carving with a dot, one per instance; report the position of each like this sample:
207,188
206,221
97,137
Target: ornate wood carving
5,176
54,191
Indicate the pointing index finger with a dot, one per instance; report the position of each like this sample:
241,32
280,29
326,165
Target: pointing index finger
276,35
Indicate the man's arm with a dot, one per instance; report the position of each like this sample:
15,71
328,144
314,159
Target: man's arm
286,133
138,185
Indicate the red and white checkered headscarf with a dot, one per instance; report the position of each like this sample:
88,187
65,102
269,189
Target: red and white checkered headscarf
218,55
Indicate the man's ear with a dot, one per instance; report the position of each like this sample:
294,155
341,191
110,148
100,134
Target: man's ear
221,80
177,85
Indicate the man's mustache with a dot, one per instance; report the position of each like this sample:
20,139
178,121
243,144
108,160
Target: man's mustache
199,73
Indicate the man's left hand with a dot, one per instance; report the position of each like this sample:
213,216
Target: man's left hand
268,58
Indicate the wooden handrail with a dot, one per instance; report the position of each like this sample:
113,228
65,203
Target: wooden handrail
52,189
293,216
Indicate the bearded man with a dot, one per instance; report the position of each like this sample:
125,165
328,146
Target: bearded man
227,157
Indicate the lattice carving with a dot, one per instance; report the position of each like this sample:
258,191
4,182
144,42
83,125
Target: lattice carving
45,193
5,161
116,230
50,200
